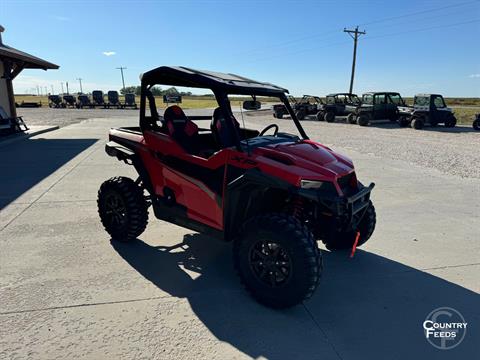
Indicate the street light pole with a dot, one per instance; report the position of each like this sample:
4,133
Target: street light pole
80,80
121,68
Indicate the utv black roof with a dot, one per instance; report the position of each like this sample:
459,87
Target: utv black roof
348,94
380,92
230,83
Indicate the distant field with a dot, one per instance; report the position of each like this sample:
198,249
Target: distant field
465,108
194,102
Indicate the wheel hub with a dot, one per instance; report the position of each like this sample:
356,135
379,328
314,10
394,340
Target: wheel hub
270,263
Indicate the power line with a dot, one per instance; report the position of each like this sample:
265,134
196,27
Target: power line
418,12
355,36
423,29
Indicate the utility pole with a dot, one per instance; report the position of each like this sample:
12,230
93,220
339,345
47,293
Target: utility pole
62,86
46,91
355,35
38,91
67,88
123,80
80,80
53,92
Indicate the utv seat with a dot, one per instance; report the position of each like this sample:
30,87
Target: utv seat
223,137
181,129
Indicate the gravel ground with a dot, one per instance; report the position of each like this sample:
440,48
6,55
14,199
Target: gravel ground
451,151
64,117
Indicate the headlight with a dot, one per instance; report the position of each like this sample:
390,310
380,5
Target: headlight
313,184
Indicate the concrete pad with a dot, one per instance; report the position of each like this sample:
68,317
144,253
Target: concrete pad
67,291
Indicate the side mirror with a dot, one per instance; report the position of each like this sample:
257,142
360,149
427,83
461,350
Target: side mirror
251,105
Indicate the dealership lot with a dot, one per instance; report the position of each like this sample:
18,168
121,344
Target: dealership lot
67,291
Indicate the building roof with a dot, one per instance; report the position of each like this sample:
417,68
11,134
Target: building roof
29,61
231,83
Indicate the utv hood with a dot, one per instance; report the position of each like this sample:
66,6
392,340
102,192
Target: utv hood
308,159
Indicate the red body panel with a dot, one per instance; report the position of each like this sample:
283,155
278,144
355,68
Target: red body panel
290,161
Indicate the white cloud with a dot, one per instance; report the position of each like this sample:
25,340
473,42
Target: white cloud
474,76
109,53
60,18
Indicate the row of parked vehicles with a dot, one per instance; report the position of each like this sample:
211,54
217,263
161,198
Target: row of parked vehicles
96,100
427,109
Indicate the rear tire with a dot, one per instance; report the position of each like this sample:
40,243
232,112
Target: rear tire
403,121
278,260
122,208
451,122
363,120
476,124
345,240
329,116
417,123
319,116
351,118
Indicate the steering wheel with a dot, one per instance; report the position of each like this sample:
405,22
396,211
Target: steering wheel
268,128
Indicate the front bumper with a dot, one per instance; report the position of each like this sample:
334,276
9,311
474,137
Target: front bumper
348,210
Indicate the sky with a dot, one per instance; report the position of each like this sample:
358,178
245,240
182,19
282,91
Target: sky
410,46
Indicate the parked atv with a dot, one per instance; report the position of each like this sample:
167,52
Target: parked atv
476,122
113,99
55,101
98,99
427,109
130,101
308,105
339,104
377,106
69,101
279,110
84,102
273,194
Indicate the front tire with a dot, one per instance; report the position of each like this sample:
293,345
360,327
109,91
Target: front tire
363,120
319,116
278,260
476,124
329,116
122,208
344,240
351,118
300,114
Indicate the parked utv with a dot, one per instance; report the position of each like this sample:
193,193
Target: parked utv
69,101
308,105
55,101
476,122
339,104
279,110
377,106
84,102
427,109
113,99
272,193
97,99
130,101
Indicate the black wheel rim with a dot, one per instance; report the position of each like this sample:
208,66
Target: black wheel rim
115,210
270,263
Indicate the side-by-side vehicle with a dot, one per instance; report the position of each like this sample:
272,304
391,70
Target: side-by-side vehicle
272,193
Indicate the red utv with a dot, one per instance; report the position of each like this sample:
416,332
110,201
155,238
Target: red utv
272,193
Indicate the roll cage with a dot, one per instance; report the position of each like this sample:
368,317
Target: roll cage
220,84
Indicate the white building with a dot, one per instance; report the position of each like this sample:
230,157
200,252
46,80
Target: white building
12,62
